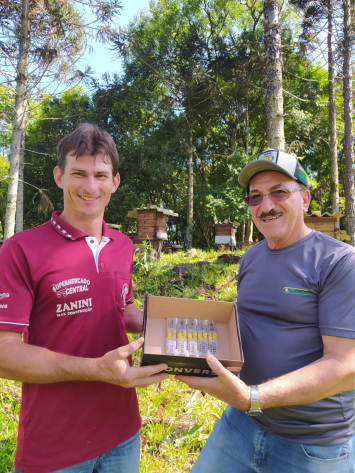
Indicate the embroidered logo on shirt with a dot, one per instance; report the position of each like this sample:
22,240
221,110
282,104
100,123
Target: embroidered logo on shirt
4,295
296,291
76,307
124,293
71,286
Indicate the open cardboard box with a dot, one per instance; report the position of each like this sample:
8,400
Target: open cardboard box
157,309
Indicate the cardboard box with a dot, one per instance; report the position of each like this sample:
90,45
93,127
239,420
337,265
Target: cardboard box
158,309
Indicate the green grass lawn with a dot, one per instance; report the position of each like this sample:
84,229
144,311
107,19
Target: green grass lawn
176,419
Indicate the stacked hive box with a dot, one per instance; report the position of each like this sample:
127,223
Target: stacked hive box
322,224
152,226
326,223
225,234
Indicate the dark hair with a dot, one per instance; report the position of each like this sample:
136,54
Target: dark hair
87,139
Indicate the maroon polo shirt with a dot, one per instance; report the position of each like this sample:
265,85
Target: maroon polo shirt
53,291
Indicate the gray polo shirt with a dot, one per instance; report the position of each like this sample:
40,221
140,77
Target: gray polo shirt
288,299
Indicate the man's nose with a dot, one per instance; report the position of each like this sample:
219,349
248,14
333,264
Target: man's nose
267,204
90,184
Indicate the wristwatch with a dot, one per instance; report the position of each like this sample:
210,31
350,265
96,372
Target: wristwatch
254,402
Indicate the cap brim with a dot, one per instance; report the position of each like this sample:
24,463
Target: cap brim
257,166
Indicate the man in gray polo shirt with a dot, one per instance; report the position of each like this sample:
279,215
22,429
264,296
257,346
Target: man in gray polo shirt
296,304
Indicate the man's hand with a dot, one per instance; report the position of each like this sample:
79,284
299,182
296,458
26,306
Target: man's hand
114,368
226,387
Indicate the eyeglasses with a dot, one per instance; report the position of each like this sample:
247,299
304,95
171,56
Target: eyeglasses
276,196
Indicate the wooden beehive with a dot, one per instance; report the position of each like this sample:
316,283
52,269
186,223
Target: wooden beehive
325,225
225,234
152,226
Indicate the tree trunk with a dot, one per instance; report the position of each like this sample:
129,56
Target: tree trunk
348,121
19,202
249,232
333,152
18,123
190,191
274,97
247,127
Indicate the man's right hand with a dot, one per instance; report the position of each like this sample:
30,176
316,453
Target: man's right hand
32,364
114,368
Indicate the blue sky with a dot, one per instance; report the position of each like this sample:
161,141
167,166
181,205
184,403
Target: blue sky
101,60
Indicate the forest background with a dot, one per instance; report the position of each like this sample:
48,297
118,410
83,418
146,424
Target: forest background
191,88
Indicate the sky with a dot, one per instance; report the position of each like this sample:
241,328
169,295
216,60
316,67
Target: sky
101,59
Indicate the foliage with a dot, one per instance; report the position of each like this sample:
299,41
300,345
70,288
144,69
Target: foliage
145,112
58,35
10,398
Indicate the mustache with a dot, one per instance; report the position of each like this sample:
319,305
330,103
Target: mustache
272,213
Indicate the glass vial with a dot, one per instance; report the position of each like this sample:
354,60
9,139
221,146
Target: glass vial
201,326
202,343
213,344
210,326
191,325
171,342
192,343
181,343
171,323
181,325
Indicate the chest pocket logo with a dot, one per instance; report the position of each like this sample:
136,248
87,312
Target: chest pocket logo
296,291
124,293
122,290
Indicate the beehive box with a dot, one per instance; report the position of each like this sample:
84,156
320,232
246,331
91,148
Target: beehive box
325,225
225,234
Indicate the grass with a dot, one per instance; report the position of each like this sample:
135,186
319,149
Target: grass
176,420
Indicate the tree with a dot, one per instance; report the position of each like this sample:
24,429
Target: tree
41,40
333,147
274,97
348,121
171,54
317,16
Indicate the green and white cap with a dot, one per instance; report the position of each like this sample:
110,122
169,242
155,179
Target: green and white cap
273,160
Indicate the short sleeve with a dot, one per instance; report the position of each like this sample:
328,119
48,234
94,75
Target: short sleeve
16,291
336,303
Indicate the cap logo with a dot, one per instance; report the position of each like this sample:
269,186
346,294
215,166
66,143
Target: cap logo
270,156
302,174
267,157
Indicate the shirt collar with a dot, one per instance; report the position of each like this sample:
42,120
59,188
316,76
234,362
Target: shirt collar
72,233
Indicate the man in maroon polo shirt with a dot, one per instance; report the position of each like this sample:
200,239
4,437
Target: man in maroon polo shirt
66,287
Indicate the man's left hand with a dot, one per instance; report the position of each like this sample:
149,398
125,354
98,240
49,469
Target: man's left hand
226,386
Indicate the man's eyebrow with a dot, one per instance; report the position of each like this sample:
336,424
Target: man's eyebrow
276,186
85,171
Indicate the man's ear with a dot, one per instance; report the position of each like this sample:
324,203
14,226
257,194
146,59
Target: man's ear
306,200
57,174
115,183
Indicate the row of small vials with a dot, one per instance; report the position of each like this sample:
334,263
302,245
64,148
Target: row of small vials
191,337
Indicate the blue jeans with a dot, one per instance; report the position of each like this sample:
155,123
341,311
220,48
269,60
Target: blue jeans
122,459
238,445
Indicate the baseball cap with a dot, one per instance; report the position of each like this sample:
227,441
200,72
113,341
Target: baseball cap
273,160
